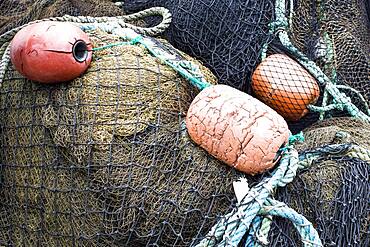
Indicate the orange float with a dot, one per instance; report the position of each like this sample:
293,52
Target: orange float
236,128
284,85
51,52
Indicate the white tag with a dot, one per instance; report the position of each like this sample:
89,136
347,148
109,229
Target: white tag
241,188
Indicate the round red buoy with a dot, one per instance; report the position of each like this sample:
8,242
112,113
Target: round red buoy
51,52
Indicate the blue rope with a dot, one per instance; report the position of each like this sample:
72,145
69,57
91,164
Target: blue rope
309,236
230,229
256,224
185,68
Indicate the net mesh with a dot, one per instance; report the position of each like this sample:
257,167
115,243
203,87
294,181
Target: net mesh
18,12
105,160
334,193
228,37
335,34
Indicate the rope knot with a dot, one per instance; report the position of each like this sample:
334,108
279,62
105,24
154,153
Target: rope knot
278,25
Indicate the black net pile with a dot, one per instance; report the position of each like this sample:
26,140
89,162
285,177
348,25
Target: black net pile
228,37
334,193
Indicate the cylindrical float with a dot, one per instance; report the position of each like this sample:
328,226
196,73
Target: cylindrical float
284,85
51,52
236,128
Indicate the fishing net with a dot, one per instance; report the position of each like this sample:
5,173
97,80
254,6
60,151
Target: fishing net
334,192
228,36
105,159
15,13
335,34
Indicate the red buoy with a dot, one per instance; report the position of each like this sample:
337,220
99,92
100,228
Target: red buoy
51,52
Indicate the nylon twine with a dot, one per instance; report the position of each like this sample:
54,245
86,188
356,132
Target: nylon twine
253,215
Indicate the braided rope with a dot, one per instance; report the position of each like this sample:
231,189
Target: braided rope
289,165
362,98
255,227
309,236
118,21
258,235
5,59
306,159
359,152
152,31
342,102
251,215
329,65
231,228
262,235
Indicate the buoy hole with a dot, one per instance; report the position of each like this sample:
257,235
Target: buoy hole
80,51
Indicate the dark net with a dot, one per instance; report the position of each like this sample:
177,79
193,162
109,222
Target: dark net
228,37
334,193
344,26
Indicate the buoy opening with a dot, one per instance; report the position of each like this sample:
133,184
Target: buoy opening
80,51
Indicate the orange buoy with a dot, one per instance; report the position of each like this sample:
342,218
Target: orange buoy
236,128
284,85
51,52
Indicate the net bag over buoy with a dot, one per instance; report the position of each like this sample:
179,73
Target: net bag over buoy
111,160
82,192
286,86
229,37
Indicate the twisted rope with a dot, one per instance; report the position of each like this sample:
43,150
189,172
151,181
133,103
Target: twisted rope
329,65
121,20
187,69
324,108
341,101
257,236
246,218
306,159
262,235
118,21
231,228
255,227
309,235
5,58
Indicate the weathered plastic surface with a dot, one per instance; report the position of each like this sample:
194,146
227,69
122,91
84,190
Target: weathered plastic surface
44,52
236,128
